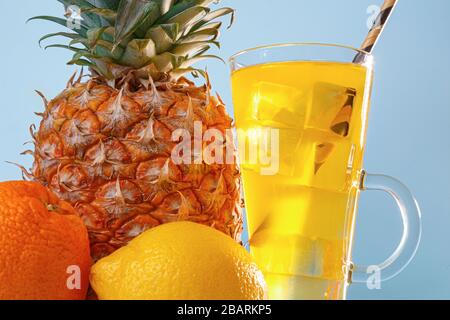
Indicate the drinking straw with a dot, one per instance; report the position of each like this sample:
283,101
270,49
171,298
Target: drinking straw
341,123
377,28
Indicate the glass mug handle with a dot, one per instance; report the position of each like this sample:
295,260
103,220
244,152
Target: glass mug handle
412,229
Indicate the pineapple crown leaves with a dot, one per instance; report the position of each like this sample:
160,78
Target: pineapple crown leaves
113,35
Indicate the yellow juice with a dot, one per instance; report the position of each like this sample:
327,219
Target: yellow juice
300,217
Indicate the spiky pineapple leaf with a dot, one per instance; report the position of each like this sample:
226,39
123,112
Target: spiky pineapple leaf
94,36
131,14
189,62
215,15
65,46
108,14
106,68
165,5
139,52
78,3
182,6
148,22
201,35
179,72
189,17
80,55
82,62
193,48
165,62
109,4
82,30
99,48
210,25
71,36
116,35
164,36
90,19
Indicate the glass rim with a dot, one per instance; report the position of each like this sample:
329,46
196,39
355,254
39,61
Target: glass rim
297,44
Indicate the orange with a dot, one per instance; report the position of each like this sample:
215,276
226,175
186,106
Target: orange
44,246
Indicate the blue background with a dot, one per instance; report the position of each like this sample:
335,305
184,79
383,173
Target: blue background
409,126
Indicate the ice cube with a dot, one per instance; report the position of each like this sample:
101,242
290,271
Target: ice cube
278,105
259,148
331,111
341,124
323,151
290,141
332,108
281,107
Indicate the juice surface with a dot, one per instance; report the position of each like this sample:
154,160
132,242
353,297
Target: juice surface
300,216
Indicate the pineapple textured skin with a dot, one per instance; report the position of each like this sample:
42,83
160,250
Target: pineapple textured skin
107,151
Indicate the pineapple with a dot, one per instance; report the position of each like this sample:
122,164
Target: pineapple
105,143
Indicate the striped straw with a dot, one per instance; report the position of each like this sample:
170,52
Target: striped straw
377,28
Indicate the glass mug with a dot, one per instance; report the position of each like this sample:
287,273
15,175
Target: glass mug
301,114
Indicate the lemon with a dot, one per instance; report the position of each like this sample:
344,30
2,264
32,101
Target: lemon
179,261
